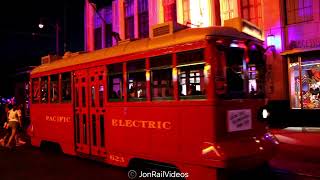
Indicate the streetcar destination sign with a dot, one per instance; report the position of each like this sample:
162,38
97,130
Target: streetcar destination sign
239,120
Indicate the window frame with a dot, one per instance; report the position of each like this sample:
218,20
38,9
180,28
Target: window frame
291,12
143,18
160,67
257,4
61,81
188,66
128,72
110,85
129,18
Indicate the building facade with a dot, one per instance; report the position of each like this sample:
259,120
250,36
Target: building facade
133,19
302,55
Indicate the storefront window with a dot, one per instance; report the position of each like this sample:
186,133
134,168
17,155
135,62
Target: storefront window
310,72
294,85
304,82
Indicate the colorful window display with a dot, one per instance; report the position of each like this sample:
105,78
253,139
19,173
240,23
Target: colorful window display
304,84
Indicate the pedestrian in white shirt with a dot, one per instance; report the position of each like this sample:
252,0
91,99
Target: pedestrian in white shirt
14,119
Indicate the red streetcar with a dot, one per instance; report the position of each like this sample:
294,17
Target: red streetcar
189,100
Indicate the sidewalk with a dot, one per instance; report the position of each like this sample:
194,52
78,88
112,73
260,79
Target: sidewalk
299,151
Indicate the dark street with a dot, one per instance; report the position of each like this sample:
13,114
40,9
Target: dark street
28,162
31,163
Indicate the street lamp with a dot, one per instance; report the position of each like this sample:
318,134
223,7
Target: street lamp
57,29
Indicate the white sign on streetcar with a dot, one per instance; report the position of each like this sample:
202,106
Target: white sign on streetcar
239,120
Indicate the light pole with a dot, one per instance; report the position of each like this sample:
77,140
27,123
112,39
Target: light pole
57,29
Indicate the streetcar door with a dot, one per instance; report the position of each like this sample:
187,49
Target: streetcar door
97,94
82,139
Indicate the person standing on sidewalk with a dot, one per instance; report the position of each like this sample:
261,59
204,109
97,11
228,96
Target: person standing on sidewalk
14,120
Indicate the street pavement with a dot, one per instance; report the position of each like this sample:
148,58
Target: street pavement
298,152
298,156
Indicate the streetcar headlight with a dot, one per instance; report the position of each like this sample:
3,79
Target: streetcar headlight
265,113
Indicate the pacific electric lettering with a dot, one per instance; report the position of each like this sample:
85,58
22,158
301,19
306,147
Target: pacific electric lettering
62,119
141,124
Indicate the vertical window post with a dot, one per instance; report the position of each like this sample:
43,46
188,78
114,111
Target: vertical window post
60,88
148,89
175,77
49,89
124,87
208,77
106,94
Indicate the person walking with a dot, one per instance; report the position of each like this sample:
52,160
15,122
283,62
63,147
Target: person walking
14,119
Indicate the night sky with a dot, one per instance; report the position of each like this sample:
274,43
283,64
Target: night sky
23,43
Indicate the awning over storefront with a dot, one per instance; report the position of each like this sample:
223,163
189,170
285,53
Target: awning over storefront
298,51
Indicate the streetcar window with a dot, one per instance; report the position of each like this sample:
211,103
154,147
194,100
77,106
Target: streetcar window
54,88
190,66
35,90
244,72
136,80
234,72
93,96
101,95
115,82
83,90
102,130
94,130
66,87
161,77
44,89
78,128
84,130
77,97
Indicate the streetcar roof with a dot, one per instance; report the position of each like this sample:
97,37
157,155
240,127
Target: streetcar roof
146,44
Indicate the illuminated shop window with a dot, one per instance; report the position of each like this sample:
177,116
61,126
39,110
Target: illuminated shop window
306,84
227,8
191,74
136,80
35,90
44,90
115,81
252,11
143,18
298,11
54,88
294,84
161,77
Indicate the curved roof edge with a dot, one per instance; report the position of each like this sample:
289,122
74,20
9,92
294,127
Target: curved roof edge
130,47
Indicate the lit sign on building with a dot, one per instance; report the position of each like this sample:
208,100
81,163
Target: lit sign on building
305,43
